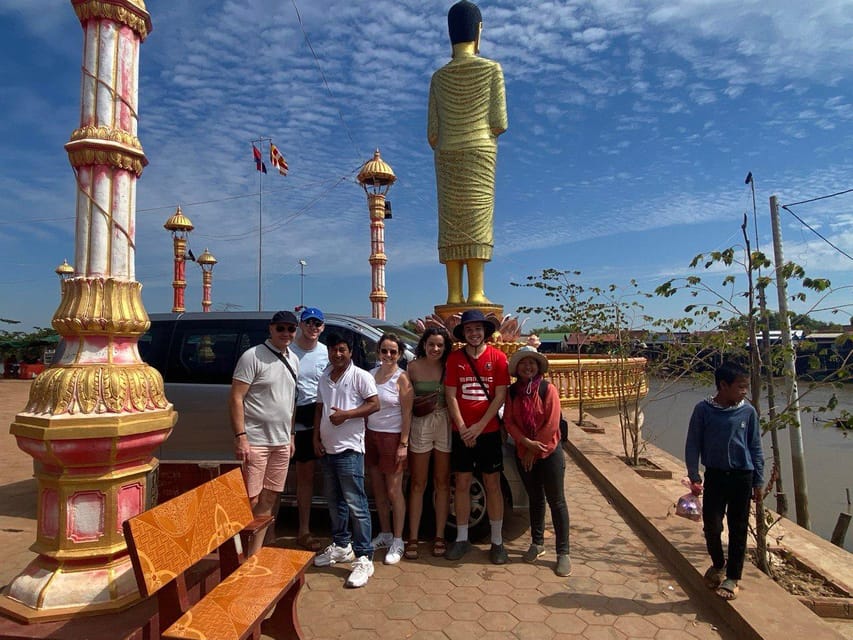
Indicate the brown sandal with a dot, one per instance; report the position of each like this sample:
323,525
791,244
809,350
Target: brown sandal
439,547
309,542
411,550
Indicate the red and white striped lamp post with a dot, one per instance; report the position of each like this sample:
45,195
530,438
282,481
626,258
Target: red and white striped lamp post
180,226
206,261
376,177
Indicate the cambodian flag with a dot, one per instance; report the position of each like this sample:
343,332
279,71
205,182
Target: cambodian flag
259,163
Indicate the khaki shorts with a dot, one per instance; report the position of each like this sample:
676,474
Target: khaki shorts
266,468
429,432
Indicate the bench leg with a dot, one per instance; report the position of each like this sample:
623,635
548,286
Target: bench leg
283,624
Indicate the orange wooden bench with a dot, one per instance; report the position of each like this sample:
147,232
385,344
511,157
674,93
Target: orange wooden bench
168,540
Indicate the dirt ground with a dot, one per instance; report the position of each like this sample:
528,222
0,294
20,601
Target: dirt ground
13,399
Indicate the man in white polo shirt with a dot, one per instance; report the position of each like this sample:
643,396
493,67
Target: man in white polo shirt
346,395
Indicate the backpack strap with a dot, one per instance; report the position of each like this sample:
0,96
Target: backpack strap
284,360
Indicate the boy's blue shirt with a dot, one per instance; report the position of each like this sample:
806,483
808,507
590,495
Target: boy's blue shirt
724,438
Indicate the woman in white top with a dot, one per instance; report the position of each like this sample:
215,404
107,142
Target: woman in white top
386,446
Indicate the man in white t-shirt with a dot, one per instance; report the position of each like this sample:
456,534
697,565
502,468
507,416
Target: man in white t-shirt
347,395
263,396
313,360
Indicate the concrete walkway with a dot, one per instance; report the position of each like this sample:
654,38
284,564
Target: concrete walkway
622,585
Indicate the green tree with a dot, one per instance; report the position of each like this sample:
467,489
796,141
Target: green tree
579,310
730,309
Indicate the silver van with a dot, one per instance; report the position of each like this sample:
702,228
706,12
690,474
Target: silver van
196,354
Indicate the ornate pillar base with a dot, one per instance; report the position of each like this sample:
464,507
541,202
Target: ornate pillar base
48,590
446,310
93,472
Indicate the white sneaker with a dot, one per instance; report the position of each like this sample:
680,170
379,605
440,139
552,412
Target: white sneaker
395,553
383,540
334,554
362,569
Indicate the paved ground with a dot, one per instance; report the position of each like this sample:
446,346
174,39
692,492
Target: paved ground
619,588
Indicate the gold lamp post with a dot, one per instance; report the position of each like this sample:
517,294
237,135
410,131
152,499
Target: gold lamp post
97,414
64,271
180,226
376,177
206,261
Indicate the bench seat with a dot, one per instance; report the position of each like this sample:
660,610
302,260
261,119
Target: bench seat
166,542
245,597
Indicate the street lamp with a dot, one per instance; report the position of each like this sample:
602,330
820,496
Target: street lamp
206,262
376,177
179,226
302,265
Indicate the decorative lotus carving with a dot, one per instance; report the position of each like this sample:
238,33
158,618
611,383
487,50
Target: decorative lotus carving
508,327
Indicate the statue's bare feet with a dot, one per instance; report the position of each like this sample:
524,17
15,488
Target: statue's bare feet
478,299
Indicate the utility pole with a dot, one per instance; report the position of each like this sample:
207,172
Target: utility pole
781,498
795,430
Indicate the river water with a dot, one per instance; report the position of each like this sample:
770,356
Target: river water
828,452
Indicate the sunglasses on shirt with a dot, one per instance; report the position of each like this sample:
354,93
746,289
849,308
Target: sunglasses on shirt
288,327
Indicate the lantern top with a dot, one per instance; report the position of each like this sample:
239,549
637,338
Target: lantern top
206,258
64,269
178,222
376,172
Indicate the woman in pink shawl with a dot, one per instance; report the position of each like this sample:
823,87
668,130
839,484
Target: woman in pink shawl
532,418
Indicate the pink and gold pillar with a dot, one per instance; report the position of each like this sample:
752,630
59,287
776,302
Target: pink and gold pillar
95,417
206,261
376,177
180,226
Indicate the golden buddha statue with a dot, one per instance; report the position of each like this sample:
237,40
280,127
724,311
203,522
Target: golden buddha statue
467,113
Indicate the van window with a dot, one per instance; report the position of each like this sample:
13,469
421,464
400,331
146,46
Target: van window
154,345
203,356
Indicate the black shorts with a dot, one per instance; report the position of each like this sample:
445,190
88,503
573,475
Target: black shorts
486,456
304,446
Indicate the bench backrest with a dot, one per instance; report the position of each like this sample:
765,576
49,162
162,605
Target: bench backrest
170,538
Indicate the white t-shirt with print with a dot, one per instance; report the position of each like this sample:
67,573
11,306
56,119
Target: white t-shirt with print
350,391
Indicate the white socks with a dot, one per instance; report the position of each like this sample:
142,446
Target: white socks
461,533
497,526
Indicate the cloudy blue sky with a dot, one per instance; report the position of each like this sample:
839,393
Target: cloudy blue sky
632,127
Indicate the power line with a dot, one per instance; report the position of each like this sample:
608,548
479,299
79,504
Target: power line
815,231
323,75
831,195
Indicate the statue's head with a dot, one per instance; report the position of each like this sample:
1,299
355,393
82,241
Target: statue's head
463,22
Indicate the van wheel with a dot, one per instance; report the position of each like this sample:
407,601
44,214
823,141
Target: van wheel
478,521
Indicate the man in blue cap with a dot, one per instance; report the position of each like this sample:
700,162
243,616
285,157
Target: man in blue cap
313,360
476,380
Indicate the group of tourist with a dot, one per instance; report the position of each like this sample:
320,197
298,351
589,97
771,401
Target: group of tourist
444,409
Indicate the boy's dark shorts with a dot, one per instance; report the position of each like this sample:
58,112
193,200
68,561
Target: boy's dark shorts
486,456
304,446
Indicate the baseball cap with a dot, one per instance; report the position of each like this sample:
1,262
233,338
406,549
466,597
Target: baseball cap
312,312
286,317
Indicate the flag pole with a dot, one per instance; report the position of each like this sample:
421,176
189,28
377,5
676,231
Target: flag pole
260,225
261,168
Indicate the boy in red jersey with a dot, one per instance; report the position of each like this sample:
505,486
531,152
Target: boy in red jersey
476,381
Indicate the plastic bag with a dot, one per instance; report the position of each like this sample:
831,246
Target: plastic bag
689,505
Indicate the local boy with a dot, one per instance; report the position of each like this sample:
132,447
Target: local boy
724,434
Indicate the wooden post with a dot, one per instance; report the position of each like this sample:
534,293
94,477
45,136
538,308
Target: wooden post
795,431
